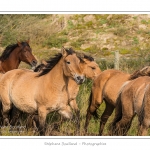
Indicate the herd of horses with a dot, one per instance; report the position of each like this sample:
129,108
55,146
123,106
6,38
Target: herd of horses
54,86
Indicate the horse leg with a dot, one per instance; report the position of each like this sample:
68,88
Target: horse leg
1,116
123,125
143,130
144,115
42,113
106,114
75,108
144,121
125,107
66,112
95,101
6,109
35,121
32,122
96,97
14,115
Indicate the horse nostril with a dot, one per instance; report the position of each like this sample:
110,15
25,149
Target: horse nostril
79,78
34,62
82,80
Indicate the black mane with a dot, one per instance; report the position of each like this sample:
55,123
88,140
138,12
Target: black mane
52,62
88,58
138,73
81,56
9,49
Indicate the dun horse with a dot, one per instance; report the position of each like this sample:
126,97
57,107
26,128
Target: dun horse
134,98
91,70
106,87
42,92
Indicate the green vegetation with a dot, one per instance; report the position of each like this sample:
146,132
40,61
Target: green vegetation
98,35
77,44
55,41
53,31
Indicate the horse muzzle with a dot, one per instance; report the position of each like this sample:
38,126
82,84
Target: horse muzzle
33,63
79,79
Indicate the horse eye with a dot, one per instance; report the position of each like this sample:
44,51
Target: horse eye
68,62
93,68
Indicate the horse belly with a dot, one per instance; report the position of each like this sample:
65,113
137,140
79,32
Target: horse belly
24,104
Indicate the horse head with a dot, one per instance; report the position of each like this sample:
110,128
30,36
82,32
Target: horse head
90,67
26,53
71,65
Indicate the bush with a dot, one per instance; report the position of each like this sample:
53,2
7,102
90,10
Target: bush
54,41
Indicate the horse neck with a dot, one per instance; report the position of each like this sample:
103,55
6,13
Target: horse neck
72,88
56,76
12,62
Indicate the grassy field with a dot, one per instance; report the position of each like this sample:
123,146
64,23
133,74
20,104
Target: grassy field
96,35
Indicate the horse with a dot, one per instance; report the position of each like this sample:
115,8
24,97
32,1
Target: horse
41,92
14,54
133,99
106,87
91,70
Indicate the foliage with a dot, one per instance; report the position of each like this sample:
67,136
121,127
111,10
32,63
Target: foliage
54,41
103,34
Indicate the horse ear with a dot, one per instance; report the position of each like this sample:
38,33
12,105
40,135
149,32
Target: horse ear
19,43
82,56
28,40
64,52
44,62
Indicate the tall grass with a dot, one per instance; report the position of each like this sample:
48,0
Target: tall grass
53,31
68,127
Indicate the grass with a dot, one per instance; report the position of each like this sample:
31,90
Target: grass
47,32
53,31
68,127
54,41
121,31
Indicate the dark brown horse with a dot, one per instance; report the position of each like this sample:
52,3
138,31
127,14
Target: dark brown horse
106,87
14,54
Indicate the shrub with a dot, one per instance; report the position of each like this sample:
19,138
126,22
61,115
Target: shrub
54,41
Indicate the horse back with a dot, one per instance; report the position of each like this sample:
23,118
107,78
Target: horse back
132,94
14,84
112,81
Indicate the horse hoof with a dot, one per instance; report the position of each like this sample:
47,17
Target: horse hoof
6,122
